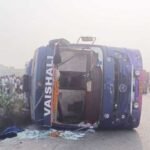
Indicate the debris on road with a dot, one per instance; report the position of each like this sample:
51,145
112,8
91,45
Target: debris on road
32,134
36,134
10,132
72,135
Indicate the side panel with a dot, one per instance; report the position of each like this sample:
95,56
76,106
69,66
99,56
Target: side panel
108,88
37,85
42,85
48,85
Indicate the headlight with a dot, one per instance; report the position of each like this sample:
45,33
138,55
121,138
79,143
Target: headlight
136,105
137,72
106,116
123,116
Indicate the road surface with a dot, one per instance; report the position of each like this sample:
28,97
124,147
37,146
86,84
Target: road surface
138,139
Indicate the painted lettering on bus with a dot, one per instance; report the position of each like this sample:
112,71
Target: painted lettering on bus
48,86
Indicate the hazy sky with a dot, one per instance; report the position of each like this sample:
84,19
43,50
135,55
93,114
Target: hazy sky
27,24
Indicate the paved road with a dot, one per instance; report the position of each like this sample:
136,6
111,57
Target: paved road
138,139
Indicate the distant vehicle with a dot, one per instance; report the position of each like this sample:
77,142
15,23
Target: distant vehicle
76,83
146,81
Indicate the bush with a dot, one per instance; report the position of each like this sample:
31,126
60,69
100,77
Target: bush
13,110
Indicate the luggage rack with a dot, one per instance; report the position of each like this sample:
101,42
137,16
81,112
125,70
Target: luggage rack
86,39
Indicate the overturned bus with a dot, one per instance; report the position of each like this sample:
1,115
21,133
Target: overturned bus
69,84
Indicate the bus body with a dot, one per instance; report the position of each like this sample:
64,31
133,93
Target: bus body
75,83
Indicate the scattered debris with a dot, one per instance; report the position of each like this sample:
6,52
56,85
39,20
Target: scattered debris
32,134
72,135
54,133
10,132
40,134
85,125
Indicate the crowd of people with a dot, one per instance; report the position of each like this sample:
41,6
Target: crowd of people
10,84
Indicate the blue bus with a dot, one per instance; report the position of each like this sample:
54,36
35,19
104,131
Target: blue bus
74,84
